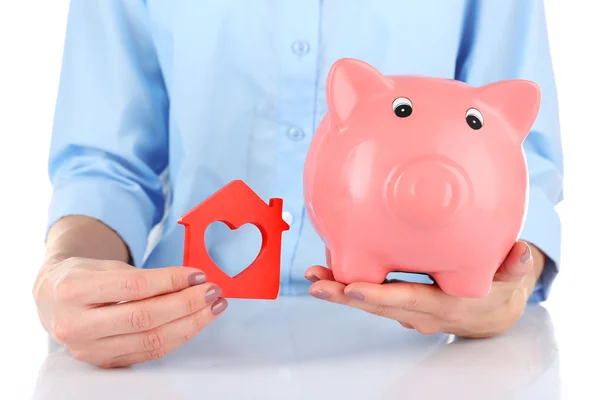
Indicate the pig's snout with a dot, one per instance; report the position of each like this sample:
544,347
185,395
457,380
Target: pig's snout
428,192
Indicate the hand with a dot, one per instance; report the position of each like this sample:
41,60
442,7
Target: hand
110,314
429,310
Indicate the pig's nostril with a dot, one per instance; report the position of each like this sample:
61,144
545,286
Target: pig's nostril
428,192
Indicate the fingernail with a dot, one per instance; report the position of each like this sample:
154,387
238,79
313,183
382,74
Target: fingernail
320,294
212,294
196,278
219,306
312,278
526,254
356,295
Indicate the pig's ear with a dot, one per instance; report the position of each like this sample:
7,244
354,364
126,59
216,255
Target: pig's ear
516,100
349,80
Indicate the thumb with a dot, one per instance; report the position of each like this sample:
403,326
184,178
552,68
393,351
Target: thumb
516,266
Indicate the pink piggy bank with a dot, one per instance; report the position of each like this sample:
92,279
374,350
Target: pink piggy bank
419,174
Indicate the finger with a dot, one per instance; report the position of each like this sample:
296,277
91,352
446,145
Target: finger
407,296
332,291
143,315
327,290
136,283
317,273
129,349
517,264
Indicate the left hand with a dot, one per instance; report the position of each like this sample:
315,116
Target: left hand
426,308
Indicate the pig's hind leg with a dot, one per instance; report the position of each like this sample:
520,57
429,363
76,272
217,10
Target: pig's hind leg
469,283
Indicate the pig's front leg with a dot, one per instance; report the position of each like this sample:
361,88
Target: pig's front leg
349,266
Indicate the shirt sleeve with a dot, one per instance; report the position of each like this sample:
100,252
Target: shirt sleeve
508,40
109,143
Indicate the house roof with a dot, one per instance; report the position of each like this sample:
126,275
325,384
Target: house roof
229,197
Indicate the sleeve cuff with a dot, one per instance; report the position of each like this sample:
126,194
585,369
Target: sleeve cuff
125,209
542,228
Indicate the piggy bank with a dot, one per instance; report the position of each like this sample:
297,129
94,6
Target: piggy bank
419,174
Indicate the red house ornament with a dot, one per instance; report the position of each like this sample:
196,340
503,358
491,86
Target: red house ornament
235,205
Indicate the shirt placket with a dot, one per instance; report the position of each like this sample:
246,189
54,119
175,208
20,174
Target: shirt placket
298,46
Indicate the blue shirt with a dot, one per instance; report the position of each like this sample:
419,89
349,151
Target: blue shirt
162,102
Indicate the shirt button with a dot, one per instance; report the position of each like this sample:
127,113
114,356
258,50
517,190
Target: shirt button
287,217
295,133
300,47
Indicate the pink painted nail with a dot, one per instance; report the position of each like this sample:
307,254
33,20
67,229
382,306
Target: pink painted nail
196,278
320,294
526,255
219,306
212,294
356,295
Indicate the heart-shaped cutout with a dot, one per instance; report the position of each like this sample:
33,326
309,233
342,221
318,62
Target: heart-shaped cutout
232,251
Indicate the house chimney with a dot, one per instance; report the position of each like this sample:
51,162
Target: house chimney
276,205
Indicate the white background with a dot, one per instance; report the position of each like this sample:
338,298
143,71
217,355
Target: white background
31,38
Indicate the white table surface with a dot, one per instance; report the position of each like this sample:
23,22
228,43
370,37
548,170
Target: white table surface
302,348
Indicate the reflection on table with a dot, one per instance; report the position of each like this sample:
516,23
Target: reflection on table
302,348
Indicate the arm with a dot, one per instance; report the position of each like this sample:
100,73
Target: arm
84,237
507,40
109,142
109,147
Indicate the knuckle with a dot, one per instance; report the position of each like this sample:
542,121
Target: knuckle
140,319
155,354
199,322
65,289
135,285
154,340
410,303
63,331
178,281
192,303
379,310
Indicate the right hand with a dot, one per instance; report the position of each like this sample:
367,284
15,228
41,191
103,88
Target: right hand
110,314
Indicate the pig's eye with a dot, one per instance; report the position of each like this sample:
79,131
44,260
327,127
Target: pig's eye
474,118
402,107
